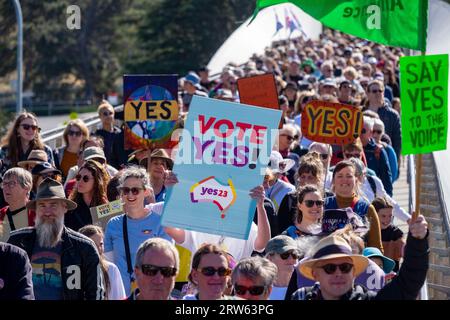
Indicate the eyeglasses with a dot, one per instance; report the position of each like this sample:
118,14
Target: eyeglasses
85,178
74,133
107,114
378,131
352,155
285,255
30,126
99,160
331,268
324,156
134,190
310,203
253,290
10,184
376,91
151,270
290,138
49,175
210,271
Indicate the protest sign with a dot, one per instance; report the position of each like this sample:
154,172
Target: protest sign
260,91
223,148
424,92
150,111
103,213
331,123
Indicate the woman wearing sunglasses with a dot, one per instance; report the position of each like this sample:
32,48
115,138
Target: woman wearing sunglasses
89,191
253,278
21,139
283,252
309,212
348,194
74,135
210,273
124,233
310,172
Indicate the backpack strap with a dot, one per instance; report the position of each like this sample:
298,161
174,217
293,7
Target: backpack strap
331,203
361,208
127,247
373,185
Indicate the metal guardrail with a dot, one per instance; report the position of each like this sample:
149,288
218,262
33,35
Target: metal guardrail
445,212
54,138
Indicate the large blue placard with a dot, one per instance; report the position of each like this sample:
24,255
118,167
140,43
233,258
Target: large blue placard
223,152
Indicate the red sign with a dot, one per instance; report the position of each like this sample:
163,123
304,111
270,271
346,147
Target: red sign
331,123
260,91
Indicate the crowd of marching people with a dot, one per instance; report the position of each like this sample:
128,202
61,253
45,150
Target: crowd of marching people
323,226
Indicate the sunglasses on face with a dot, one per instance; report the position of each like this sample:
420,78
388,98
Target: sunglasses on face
253,290
107,114
353,155
85,178
48,175
378,131
310,203
134,190
376,91
74,133
210,271
290,138
151,270
324,156
285,255
331,268
30,126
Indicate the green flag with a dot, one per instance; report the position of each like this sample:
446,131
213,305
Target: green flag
424,92
400,23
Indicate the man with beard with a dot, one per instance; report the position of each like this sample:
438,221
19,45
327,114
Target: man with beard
65,263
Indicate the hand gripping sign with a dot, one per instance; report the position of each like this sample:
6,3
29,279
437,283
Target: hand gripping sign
331,123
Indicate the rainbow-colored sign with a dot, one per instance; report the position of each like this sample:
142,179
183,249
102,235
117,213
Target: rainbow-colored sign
150,111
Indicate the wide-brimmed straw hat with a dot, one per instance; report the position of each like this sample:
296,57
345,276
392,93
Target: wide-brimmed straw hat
50,189
158,154
332,247
35,157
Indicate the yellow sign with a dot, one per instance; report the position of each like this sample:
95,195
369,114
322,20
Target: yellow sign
103,213
151,110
